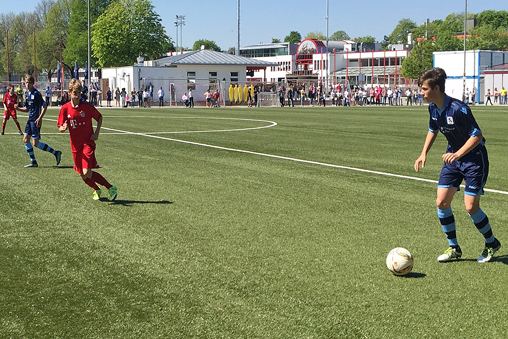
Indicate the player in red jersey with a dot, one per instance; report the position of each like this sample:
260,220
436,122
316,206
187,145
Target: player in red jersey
10,103
76,116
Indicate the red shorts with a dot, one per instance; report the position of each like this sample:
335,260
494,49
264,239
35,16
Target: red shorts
10,113
84,159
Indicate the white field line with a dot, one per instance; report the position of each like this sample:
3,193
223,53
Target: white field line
278,156
289,158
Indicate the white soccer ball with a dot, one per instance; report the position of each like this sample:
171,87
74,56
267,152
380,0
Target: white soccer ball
399,261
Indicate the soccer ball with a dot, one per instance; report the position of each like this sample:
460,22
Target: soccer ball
399,261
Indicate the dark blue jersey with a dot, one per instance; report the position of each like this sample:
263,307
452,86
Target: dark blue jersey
455,121
34,103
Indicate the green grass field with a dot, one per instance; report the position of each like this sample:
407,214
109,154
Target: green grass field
247,223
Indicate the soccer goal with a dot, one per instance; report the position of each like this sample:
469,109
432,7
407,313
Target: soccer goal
268,99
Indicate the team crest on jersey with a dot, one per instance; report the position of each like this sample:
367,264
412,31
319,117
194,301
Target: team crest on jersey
449,120
82,114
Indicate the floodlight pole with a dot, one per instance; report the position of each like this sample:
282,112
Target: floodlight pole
89,63
176,25
327,54
237,52
465,31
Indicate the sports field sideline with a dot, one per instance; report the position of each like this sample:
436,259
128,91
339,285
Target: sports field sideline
247,223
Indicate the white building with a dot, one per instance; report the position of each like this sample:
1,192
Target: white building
199,70
477,63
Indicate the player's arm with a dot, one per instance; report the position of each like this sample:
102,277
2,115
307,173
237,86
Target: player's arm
470,144
38,122
429,141
95,135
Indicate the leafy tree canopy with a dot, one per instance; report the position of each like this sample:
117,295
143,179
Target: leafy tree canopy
339,35
209,45
293,37
316,35
126,30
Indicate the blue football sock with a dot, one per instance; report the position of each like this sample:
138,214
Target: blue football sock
30,151
447,221
45,147
482,223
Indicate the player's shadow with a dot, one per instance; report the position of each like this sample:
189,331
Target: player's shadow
129,203
502,259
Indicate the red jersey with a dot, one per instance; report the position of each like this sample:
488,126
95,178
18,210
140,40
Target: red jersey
10,100
79,122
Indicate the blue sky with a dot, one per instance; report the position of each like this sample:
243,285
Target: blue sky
262,20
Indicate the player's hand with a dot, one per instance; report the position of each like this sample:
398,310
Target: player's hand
15,106
450,157
38,123
421,160
63,128
94,136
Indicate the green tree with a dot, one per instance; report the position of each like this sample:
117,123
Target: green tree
77,41
419,60
275,40
52,39
338,36
487,37
126,30
316,35
293,37
366,39
494,19
209,45
403,28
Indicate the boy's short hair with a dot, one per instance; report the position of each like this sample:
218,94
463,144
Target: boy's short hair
75,85
29,79
434,76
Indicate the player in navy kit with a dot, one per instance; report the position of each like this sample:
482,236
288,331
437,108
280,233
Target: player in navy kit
465,159
36,108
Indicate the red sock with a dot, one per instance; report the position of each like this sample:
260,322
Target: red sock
100,180
3,127
90,182
19,128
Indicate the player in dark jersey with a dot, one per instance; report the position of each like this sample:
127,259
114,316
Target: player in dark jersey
36,108
76,116
465,159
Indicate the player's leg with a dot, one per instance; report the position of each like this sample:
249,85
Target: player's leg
17,125
447,220
28,145
3,123
475,181
91,178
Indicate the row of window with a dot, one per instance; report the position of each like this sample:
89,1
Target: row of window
212,79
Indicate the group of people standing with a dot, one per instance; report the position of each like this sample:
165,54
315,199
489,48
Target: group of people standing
500,97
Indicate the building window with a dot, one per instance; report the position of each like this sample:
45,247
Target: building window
233,79
191,83
234,74
212,74
191,74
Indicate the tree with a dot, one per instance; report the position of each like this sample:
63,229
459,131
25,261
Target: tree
495,19
275,40
315,35
77,42
126,30
366,39
293,37
419,60
209,45
338,36
403,28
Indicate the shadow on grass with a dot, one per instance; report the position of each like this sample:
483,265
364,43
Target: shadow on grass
502,259
129,203
414,275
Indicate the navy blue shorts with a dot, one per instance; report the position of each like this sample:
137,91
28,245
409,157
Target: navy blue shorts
473,169
32,130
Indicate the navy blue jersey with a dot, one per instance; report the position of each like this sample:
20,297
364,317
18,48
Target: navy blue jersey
456,122
34,103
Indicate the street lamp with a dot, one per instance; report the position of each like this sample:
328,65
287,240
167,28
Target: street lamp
465,31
